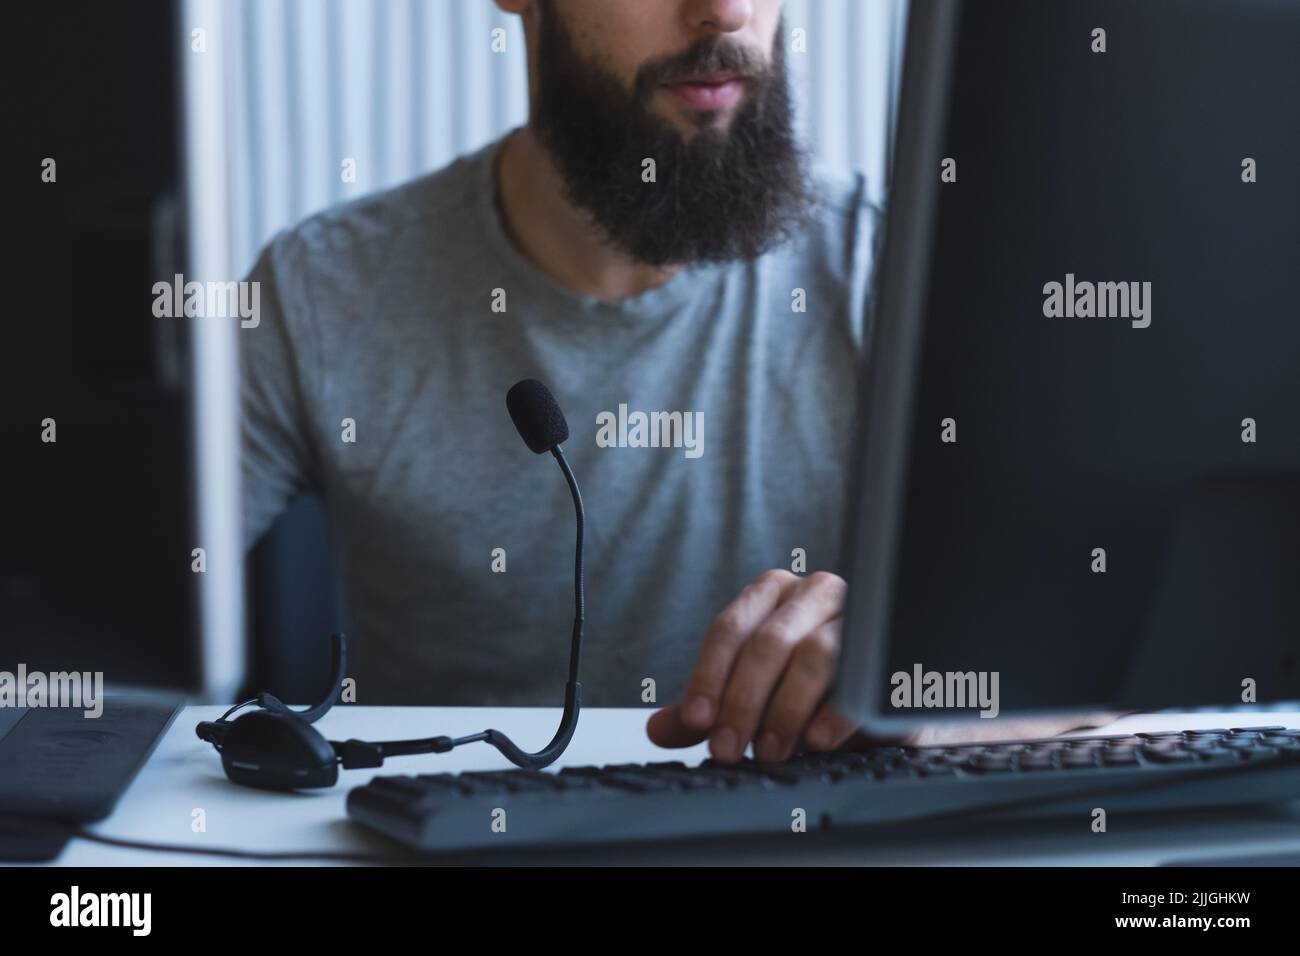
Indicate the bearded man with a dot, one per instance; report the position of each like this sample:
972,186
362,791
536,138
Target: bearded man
652,240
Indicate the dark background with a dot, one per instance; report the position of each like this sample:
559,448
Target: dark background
94,567
95,538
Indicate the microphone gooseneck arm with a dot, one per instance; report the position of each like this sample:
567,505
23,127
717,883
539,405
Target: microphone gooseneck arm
356,753
579,595
573,689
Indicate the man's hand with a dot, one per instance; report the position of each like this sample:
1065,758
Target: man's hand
766,664
762,675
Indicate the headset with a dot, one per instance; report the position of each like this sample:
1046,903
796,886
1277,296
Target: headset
277,748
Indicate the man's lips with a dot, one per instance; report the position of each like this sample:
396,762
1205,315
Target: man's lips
708,92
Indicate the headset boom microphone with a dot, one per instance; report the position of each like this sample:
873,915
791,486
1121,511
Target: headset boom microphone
276,748
541,425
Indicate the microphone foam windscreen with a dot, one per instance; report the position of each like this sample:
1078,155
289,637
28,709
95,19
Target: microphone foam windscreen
536,415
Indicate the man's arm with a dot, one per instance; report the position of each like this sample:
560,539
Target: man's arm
278,362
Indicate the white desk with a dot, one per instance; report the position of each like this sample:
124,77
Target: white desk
185,774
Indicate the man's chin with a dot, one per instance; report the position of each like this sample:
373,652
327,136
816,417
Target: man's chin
686,121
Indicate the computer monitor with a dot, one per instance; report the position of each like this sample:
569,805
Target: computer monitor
1079,438
96,566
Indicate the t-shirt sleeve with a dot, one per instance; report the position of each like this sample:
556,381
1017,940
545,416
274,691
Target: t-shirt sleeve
277,371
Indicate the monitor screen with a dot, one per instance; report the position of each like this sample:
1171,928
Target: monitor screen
1099,503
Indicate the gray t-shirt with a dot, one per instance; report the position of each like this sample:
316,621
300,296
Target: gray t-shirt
386,312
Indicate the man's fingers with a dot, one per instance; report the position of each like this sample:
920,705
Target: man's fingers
829,729
803,685
764,657
722,643
666,729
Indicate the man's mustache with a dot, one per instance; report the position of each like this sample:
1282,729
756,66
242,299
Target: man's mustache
704,58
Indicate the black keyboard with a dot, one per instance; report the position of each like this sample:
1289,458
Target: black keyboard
58,765
883,785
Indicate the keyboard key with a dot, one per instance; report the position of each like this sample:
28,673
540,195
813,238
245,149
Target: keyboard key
636,782
903,772
1036,762
937,770
1167,756
988,763
1222,757
691,780
1120,758
1073,761
1162,746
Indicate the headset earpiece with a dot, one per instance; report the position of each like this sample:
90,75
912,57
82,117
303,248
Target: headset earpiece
278,752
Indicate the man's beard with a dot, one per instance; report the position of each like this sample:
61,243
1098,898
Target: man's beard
727,193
